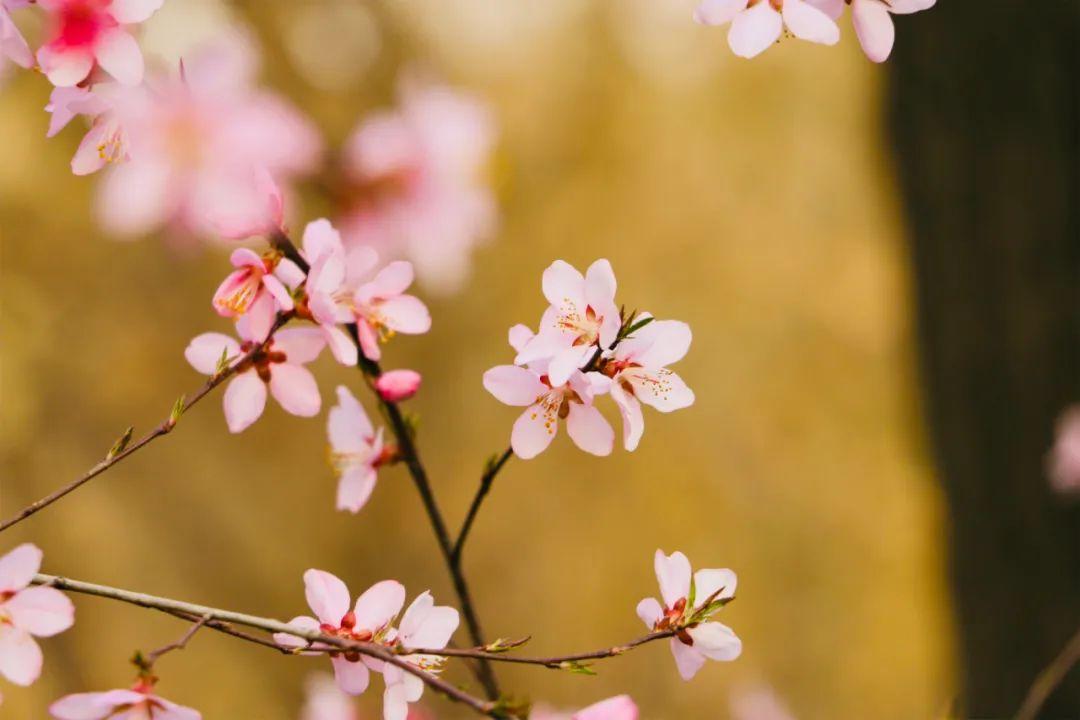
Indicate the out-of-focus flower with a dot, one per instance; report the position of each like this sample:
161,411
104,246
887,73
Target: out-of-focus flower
758,702
427,626
85,32
416,189
356,451
382,308
200,147
279,363
757,24
687,606
582,319
25,612
639,374
872,20
252,289
398,385
369,621
105,142
12,44
326,701
137,703
530,387
620,707
1063,461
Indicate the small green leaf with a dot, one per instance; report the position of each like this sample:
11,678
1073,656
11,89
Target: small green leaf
637,326
578,668
120,444
223,362
177,410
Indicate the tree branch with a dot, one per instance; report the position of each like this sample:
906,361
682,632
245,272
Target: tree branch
486,481
1049,679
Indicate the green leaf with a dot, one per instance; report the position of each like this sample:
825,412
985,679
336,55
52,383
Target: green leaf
637,326
120,444
177,410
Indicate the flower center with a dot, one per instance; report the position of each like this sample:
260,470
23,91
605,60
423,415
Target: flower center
82,21
243,294
585,326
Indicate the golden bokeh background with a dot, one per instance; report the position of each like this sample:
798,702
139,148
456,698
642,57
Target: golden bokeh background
754,200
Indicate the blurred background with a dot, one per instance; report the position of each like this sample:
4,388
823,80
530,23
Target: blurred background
880,265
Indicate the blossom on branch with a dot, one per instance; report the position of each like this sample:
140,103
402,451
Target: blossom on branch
424,625
872,20
757,24
25,612
258,362
85,33
139,703
253,289
356,451
398,385
689,601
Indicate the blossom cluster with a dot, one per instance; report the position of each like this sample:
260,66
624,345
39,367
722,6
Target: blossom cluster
586,347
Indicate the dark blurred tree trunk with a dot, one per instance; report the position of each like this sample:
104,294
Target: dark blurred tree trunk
983,109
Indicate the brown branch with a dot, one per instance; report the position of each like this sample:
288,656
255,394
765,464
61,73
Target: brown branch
486,481
1049,679
218,619
556,662
153,656
123,450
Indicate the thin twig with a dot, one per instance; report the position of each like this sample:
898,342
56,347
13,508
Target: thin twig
154,655
126,450
1049,679
215,617
556,662
486,481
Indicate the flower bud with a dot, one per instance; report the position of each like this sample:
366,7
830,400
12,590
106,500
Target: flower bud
398,385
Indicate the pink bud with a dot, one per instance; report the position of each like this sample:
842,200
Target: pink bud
398,385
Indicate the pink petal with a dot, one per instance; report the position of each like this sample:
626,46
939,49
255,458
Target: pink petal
63,67
906,7
620,707
806,22
67,102
173,711
392,280
289,273
18,567
874,28
754,30
206,350
295,389
327,273
359,261
513,385
20,656
673,574
687,659
302,622
632,417
519,336
327,596
94,705
405,314
12,43
543,346
321,239
650,612
658,344
246,258
660,389
130,12
707,582
355,488
341,345
235,293
119,55
300,345
600,285
278,291
347,424
369,340
716,641
398,385
565,362
833,8
137,196
41,611
244,401
533,431
563,284
352,677
259,318
395,704
379,604
589,430
439,624
90,157
719,12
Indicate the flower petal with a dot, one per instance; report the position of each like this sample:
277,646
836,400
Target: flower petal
806,22
119,55
600,285
719,12
754,30
20,656
673,574
620,707
348,424
18,567
513,385
687,659
716,641
707,582
658,344
533,431
379,604
590,430
341,345
352,677
392,280
295,389
355,488
300,345
660,389
244,401
874,28
302,622
405,314
563,284
650,612
327,596
93,705
130,12
64,67
632,417
519,336
41,611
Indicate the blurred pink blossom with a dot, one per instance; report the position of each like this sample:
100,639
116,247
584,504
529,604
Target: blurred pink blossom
356,451
27,611
280,365
326,701
368,621
201,147
872,20
12,44
757,24
1063,461
697,639
416,182
139,702
620,707
398,385
758,702
424,625
88,32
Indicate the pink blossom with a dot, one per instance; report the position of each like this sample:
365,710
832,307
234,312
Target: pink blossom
581,321
201,147
279,364
356,451
686,608
872,20
106,141
326,701
639,374
85,32
139,702
416,189
757,24
368,621
398,385
620,707
252,290
12,44
758,702
1063,461
25,612
427,626
545,404
383,309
